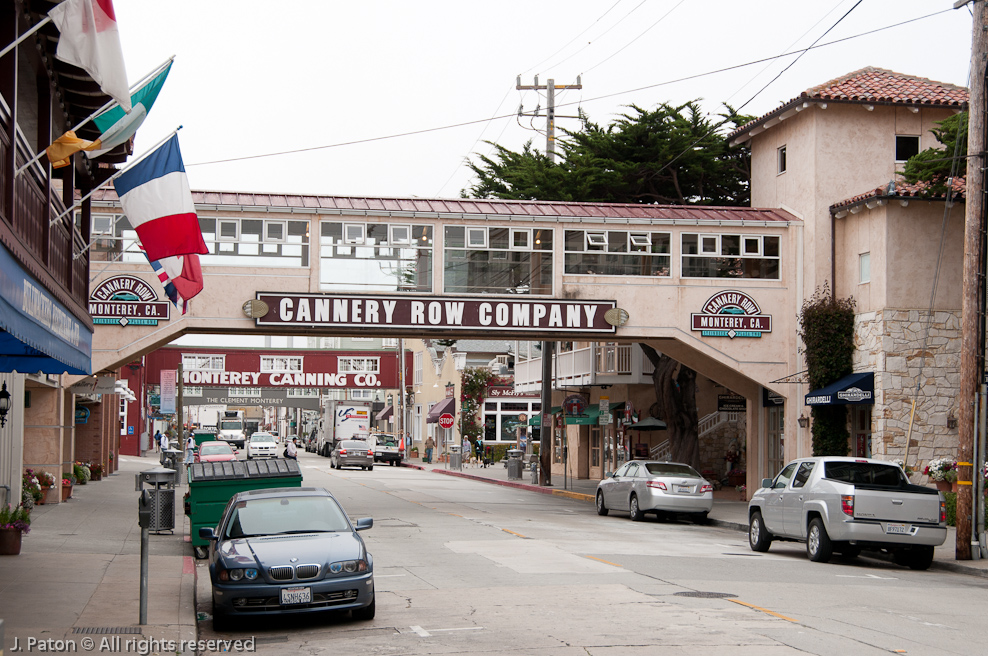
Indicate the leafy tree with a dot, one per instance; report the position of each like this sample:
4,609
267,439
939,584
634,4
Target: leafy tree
826,326
934,166
672,155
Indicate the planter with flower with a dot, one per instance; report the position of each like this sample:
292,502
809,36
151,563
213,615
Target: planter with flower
14,521
742,492
67,483
47,482
81,473
31,487
96,469
942,471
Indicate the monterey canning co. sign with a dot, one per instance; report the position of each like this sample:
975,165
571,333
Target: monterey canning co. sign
731,314
489,314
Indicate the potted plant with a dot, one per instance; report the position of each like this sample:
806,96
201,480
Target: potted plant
67,483
742,492
32,486
942,471
97,470
14,521
82,473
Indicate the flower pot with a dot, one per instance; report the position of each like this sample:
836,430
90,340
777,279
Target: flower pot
66,491
44,495
10,541
944,486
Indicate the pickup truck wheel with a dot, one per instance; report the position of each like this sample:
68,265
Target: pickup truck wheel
818,545
758,537
601,508
636,514
921,558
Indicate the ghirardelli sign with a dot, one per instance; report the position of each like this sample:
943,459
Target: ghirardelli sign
731,314
126,300
507,315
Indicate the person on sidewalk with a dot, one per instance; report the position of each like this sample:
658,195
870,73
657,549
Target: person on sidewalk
190,450
430,444
157,441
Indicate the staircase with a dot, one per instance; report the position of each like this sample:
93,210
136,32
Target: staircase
715,420
661,451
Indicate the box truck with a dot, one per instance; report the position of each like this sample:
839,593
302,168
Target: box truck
231,426
341,420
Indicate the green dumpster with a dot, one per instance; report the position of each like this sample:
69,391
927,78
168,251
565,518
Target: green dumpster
204,436
211,484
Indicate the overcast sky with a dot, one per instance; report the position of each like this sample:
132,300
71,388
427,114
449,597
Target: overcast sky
341,79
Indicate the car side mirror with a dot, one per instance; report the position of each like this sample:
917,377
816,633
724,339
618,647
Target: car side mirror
364,523
207,533
766,482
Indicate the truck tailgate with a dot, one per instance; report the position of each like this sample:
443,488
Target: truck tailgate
897,505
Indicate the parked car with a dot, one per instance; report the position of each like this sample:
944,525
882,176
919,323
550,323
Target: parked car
262,445
288,550
352,453
289,438
386,448
661,488
215,452
846,505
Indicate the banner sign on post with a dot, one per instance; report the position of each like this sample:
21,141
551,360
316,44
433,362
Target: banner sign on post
169,379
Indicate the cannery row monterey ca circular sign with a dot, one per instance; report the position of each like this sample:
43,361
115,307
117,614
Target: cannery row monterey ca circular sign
731,314
126,300
447,312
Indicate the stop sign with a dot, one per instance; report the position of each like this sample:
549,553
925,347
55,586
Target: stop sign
446,420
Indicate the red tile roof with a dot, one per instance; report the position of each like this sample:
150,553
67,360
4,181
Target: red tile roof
901,190
872,86
470,207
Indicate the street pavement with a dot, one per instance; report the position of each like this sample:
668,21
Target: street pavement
77,578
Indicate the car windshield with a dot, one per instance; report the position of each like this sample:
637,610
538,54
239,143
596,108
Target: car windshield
670,469
262,438
285,515
864,473
390,440
214,449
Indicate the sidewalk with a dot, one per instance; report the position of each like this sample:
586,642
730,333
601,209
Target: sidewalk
77,577
728,511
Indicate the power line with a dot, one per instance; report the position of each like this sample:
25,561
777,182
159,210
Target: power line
586,100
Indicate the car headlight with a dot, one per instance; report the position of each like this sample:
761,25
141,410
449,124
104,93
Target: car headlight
348,566
238,574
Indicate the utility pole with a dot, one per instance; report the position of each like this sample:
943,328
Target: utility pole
972,308
550,88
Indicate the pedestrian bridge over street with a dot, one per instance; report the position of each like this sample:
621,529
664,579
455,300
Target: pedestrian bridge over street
715,288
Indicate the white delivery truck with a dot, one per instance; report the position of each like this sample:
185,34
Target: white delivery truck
340,421
231,426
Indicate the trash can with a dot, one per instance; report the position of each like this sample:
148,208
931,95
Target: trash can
514,464
455,457
211,484
162,497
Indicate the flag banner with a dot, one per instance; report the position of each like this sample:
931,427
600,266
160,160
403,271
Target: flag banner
181,277
115,125
156,198
89,39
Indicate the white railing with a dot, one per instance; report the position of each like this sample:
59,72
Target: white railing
715,420
661,451
614,359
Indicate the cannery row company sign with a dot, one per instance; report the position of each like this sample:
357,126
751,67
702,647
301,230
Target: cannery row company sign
488,314
126,300
731,314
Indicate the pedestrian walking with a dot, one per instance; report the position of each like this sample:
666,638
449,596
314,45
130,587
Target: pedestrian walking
430,444
157,440
190,450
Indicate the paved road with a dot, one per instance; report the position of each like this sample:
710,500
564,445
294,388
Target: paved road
468,567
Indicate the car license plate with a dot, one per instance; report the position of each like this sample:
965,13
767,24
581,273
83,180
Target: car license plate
683,489
291,596
900,529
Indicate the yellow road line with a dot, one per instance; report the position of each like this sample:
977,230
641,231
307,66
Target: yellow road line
602,560
764,610
512,532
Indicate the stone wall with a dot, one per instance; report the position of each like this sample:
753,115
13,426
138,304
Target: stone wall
903,347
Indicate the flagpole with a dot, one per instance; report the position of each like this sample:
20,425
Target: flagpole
113,177
20,39
109,105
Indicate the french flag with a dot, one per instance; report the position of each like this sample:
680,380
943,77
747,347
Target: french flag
156,198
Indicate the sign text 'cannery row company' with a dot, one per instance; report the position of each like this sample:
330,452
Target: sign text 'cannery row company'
515,315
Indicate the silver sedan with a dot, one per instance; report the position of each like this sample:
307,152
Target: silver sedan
662,488
352,453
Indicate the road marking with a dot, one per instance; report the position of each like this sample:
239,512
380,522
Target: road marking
386,576
764,610
513,533
603,561
866,576
425,634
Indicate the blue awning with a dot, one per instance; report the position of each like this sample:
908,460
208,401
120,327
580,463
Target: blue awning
37,332
855,389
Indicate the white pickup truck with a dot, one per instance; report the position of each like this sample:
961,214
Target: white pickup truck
846,505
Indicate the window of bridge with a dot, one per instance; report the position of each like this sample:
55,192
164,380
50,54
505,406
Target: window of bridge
730,256
375,257
497,260
617,253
